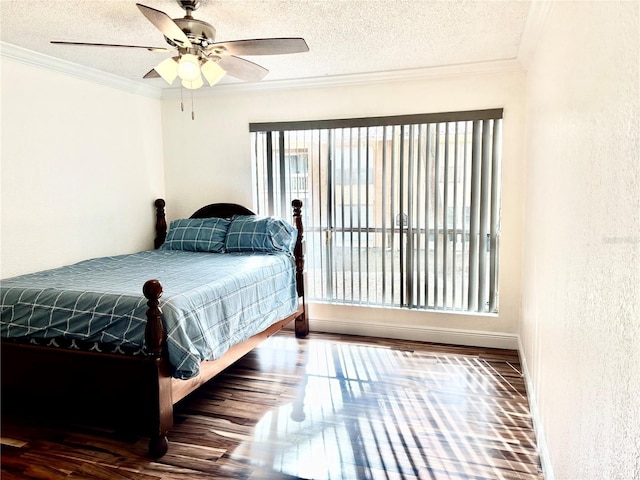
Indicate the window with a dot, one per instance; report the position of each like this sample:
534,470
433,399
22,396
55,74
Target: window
398,211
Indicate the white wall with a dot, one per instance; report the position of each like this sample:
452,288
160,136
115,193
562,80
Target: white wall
81,166
209,160
581,290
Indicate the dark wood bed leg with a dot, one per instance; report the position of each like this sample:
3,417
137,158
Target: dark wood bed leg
161,224
161,408
158,446
301,323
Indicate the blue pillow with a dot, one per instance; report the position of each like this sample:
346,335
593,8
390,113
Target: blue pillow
250,233
197,235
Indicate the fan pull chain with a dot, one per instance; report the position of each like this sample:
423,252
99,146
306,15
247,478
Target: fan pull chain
193,115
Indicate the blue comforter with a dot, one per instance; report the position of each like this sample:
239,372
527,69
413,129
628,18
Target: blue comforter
211,301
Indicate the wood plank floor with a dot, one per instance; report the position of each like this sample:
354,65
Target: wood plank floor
326,407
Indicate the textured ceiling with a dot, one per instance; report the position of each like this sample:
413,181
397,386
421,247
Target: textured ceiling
344,36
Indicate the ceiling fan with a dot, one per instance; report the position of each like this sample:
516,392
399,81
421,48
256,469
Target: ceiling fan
199,55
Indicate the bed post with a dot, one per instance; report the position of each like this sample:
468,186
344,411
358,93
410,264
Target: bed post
161,224
301,322
159,377
154,331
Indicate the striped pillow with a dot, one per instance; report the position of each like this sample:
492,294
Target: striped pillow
250,233
197,235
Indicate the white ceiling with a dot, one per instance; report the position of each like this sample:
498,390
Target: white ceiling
345,37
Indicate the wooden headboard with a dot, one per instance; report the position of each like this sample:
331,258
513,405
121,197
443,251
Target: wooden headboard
219,210
228,210
222,210
214,210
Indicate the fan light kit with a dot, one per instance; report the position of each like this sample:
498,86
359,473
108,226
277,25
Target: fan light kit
199,55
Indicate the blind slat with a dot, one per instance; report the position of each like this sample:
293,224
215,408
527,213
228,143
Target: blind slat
495,216
485,195
474,224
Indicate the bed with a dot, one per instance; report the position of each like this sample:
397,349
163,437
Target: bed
92,341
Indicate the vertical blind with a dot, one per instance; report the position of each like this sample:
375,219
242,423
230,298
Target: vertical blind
399,211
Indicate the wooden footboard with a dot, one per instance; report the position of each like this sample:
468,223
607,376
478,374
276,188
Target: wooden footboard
172,390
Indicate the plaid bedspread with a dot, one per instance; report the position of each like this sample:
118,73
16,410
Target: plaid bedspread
210,302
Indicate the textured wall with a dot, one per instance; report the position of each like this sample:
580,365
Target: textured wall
581,282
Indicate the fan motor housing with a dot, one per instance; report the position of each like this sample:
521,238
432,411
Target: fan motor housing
198,32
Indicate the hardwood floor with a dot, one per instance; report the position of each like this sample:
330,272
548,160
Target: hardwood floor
326,407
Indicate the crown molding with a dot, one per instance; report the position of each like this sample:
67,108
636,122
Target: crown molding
533,29
479,68
40,60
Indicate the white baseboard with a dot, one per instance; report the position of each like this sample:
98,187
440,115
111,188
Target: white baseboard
543,449
471,338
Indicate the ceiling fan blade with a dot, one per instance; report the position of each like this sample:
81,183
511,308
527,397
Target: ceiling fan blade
261,46
84,44
242,69
152,74
166,25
